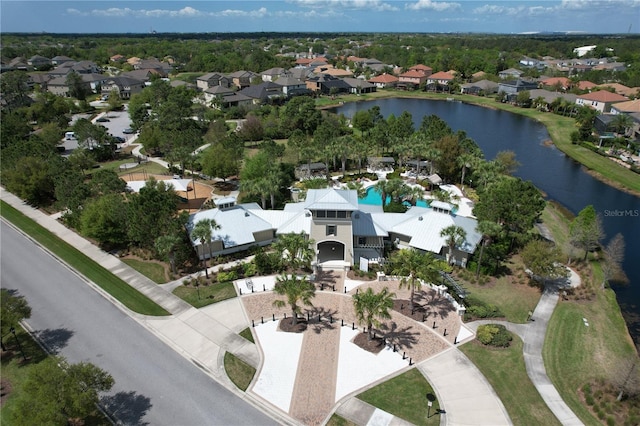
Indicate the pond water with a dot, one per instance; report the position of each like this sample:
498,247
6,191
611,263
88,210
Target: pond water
561,178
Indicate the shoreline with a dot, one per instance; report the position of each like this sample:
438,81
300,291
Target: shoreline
471,100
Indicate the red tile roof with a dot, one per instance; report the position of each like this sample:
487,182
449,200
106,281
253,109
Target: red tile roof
413,74
552,81
586,85
384,78
421,67
603,96
441,76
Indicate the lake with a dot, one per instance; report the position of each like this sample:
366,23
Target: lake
560,177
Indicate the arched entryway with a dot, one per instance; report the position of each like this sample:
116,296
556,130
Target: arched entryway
330,250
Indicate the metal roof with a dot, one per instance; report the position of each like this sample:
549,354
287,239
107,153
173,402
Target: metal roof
237,225
332,199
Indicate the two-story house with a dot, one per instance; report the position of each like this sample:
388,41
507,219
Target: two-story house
213,79
600,101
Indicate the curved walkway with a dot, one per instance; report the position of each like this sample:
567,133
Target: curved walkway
533,335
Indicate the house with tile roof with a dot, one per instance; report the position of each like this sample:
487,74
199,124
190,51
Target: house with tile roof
628,107
620,89
343,231
384,80
358,85
412,79
423,69
483,87
441,78
561,83
586,85
600,101
213,79
510,73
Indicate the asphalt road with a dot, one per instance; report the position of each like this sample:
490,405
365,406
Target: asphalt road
153,384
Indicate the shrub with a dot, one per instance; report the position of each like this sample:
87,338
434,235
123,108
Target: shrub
224,276
611,421
494,335
250,269
478,309
589,400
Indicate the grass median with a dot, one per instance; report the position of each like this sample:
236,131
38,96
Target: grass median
127,295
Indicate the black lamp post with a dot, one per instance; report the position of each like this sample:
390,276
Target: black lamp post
13,331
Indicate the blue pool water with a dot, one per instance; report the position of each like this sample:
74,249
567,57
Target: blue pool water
374,198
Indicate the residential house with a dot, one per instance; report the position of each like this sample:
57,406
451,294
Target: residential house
620,89
549,96
327,84
38,61
359,86
19,64
263,92
237,100
374,64
292,86
586,85
384,80
412,79
242,79
611,66
510,73
632,109
134,61
556,83
342,230
214,95
477,76
440,79
329,69
213,79
124,86
482,87
302,74
517,86
60,59
38,78
600,101
58,86
163,68
422,68
531,63
117,58
272,74
142,75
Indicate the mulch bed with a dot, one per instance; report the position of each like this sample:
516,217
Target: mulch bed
286,325
374,345
352,276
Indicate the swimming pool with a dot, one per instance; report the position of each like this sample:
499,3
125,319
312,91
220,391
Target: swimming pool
374,198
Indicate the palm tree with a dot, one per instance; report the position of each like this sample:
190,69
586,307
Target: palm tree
455,236
466,161
414,266
432,154
203,231
489,230
414,194
296,250
370,307
165,246
359,187
296,290
621,123
259,187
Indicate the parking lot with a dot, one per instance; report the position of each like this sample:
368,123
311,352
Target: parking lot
117,122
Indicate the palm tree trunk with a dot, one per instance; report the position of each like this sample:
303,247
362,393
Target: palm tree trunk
294,315
263,200
370,330
273,200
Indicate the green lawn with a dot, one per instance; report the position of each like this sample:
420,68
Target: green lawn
513,296
239,372
246,333
205,295
505,370
113,285
336,420
404,396
151,270
575,354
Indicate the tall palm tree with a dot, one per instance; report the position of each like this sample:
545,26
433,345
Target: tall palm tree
359,187
466,161
621,123
203,231
455,236
296,250
165,246
414,194
414,266
296,290
432,154
489,230
371,307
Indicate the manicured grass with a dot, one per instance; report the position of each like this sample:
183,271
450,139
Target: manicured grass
205,295
512,294
151,270
238,371
557,220
505,370
15,371
246,333
336,420
150,168
575,354
113,285
404,396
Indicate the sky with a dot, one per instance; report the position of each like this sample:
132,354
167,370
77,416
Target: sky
199,16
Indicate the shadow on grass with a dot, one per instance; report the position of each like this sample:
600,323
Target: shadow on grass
127,407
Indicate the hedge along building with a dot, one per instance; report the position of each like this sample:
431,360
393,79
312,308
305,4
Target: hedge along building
343,231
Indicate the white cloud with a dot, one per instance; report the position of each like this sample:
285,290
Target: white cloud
185,12
493,9
595,4
438,6
375,5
